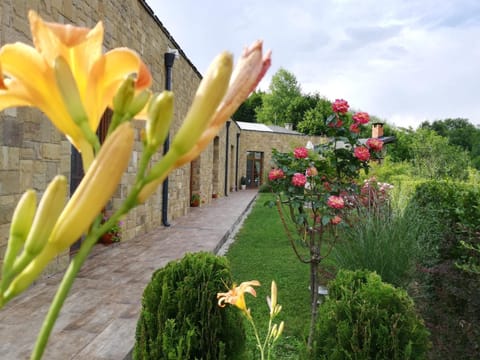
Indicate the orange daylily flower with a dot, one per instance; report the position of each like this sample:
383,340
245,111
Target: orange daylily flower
236,295
27,74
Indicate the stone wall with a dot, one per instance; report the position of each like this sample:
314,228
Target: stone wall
33,151
264,142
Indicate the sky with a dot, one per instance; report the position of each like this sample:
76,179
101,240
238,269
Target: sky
404,61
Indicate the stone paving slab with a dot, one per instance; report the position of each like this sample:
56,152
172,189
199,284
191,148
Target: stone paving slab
99,317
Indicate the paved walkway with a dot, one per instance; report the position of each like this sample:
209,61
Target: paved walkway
99,317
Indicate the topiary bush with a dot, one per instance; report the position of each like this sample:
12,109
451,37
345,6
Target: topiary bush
365,318
180,318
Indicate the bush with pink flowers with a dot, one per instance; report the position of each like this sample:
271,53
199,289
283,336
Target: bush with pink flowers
314,189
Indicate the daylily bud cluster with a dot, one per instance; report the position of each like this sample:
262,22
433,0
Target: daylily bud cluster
236,296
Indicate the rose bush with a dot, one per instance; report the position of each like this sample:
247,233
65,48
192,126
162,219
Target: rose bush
313,188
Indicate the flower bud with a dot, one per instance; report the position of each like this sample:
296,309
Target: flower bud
160,115
138,102
124,95
208,96
49,209
279,331
96,188
20,226
69,91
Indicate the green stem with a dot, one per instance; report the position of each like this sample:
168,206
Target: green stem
259,343
61,295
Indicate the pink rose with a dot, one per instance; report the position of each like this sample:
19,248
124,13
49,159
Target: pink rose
361,118
336,124
275,174
335,202
300,153
340,106
375,144
361,153
355,128
336,220
299,180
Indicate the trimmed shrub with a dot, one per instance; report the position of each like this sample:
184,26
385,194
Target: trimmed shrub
364,318
180,318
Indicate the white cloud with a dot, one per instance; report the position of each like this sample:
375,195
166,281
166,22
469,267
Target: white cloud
404,61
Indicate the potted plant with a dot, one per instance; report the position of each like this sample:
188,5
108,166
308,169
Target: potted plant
112,235
195,200
243,182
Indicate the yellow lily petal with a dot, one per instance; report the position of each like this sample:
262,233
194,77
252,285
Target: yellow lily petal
236,295
31,79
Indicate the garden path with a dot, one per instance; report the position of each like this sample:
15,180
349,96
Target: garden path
99,317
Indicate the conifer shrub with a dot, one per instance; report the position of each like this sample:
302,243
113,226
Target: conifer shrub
180,318
364,318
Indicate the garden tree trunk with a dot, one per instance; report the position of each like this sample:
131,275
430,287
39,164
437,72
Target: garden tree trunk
314,283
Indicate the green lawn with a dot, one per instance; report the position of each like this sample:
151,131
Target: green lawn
262,252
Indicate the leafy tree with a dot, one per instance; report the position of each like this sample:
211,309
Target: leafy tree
314,119
401,150
459,132
435,158
283,90
247,111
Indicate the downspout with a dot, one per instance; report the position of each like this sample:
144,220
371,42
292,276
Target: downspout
226,157
236,161
169,60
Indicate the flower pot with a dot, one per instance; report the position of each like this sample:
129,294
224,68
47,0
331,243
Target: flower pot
106,239
243,187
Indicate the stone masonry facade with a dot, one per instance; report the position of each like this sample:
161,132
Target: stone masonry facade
32,151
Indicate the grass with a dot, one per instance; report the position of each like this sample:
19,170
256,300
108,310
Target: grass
262,252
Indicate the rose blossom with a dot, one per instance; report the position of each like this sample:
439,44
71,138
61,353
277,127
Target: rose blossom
361,118
340,106
355,128
375,144
312,171
336,220
300,153
336,124
299,180
335,202
361,153
275,174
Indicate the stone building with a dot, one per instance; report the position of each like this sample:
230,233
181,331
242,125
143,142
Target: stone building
33,151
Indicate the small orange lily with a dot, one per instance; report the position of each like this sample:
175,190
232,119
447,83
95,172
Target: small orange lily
236,295
27,74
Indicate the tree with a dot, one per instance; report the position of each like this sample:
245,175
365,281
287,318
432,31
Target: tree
247,111
459,132
434,158
283,90
314,119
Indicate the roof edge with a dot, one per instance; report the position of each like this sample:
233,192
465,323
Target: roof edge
169,36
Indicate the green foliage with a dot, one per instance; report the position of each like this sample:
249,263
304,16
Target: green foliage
180,318
386,243
364,319
315,118
263,253
283,90
247,111
450,297
461,133
434,158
